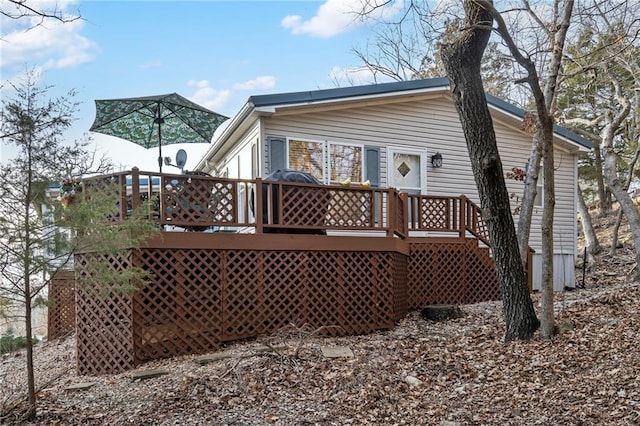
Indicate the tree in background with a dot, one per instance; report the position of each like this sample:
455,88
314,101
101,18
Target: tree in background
602,101
38,236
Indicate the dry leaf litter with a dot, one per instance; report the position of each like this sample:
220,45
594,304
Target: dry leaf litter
456,372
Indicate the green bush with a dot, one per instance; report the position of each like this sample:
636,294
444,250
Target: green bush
11,343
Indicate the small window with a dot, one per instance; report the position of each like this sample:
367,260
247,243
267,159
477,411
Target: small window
307,156
345,163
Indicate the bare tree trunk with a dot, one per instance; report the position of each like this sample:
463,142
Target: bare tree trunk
31,382
616,228
462,61
604,195
590,237
547,322
528,199
614,234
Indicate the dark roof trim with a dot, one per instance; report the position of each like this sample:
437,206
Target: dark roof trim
519,112
294,98
347,92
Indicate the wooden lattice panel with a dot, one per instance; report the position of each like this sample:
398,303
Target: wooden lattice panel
435,213
399,270
281,278
483,281
113,187
104,332
199,298
346,292
435,274
304,206
180,311
476,221
194,200
450,272
351,208
61,313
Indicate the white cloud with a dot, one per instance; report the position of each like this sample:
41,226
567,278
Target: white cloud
259,83
205,95
50,44
224,101
338,16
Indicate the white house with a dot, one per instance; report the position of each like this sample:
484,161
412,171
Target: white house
388,134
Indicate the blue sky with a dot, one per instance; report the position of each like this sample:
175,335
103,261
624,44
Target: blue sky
216,53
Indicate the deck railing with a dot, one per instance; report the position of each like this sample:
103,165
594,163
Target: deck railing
432,213
195,202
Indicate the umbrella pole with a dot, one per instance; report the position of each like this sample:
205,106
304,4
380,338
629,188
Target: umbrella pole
159,120
159,148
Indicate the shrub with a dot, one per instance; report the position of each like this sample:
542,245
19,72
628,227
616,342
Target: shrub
11,343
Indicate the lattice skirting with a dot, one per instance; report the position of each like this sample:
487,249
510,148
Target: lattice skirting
199,298
450,272
61,308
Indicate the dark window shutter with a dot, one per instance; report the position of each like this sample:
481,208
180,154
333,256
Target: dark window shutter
277,153
372,165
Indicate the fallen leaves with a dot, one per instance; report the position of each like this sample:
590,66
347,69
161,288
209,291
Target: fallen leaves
457,372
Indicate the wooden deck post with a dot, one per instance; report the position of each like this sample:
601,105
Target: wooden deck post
462,225
257,200
135,189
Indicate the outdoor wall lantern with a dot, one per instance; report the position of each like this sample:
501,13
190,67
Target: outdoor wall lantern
436,160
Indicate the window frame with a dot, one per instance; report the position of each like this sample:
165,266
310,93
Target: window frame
308,140
326,156
329,165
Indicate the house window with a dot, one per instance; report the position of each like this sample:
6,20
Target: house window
329,162
307,156
345,162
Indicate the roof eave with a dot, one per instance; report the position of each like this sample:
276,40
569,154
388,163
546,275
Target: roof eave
223,138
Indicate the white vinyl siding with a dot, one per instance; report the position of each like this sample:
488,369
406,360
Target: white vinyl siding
238,160
432,125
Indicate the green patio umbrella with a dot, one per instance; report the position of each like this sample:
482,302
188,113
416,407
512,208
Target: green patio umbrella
152,121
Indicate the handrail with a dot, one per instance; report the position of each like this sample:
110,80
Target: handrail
197,202
474,222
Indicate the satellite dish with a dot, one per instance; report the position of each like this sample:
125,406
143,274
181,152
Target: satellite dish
181,158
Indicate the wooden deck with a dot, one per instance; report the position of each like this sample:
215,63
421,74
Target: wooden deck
345,260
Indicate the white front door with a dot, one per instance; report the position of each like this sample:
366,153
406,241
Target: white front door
407,170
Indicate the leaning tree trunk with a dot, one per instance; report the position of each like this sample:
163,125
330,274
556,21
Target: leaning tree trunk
616,228
590,238
528,200
462,62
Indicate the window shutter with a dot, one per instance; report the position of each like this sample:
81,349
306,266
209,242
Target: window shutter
277,153
372,165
